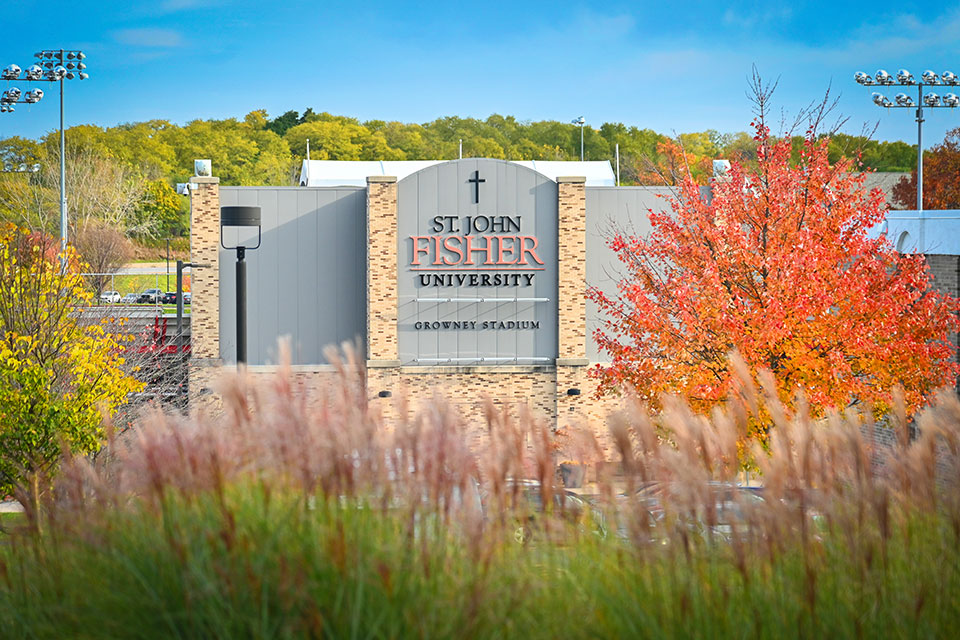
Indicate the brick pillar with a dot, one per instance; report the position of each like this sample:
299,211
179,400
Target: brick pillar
572,252
571,301
383,358
204,285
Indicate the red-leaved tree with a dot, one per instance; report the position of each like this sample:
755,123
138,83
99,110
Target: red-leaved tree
941,177
778,266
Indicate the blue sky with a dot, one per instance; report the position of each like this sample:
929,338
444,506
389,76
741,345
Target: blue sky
669,66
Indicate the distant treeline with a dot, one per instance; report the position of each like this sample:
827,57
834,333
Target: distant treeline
262,150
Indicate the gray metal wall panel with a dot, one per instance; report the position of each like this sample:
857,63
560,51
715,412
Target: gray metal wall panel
308,307
306,281
350,272
508,190
611,210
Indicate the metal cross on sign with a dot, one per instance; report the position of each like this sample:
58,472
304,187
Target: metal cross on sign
476,180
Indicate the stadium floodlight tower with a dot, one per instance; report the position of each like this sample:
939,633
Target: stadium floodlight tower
580,122
53,65
930,100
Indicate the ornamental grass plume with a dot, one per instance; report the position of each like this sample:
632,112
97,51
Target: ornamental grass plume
302,514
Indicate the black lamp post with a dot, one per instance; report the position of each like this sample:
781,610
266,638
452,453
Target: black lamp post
241,217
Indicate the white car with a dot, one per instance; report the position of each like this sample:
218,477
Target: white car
110,296
130,298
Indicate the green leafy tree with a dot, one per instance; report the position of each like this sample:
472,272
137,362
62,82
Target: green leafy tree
338,140
60,373
162,210
16,151
260,150
241,154
283,123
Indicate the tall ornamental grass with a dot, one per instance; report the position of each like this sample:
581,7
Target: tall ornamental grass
305,517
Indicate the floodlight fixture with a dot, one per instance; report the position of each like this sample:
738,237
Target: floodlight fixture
883,77
951,100
904,77
903,100
931,100
34,72
949,77
11,72
929,77
863,78
14,95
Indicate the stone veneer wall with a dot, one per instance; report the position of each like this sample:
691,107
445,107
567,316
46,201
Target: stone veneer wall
205,287
574,410
383,357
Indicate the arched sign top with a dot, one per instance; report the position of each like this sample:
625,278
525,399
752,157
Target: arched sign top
493,161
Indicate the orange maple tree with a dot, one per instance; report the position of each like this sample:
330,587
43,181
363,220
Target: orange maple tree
779,266
941,177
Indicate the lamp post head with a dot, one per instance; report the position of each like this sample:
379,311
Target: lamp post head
240,216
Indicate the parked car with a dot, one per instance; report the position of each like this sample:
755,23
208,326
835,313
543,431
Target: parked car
186,297
152,296
727,506
170,297
130,298
568,507
110,296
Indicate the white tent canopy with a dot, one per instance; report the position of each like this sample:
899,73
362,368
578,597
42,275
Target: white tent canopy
339,173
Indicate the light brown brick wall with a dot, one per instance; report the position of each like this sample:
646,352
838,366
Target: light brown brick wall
467,388
204,367
382,268
572,251
205,272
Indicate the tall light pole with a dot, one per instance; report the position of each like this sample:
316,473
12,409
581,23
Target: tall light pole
241,217
902,101
54,65
580,122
